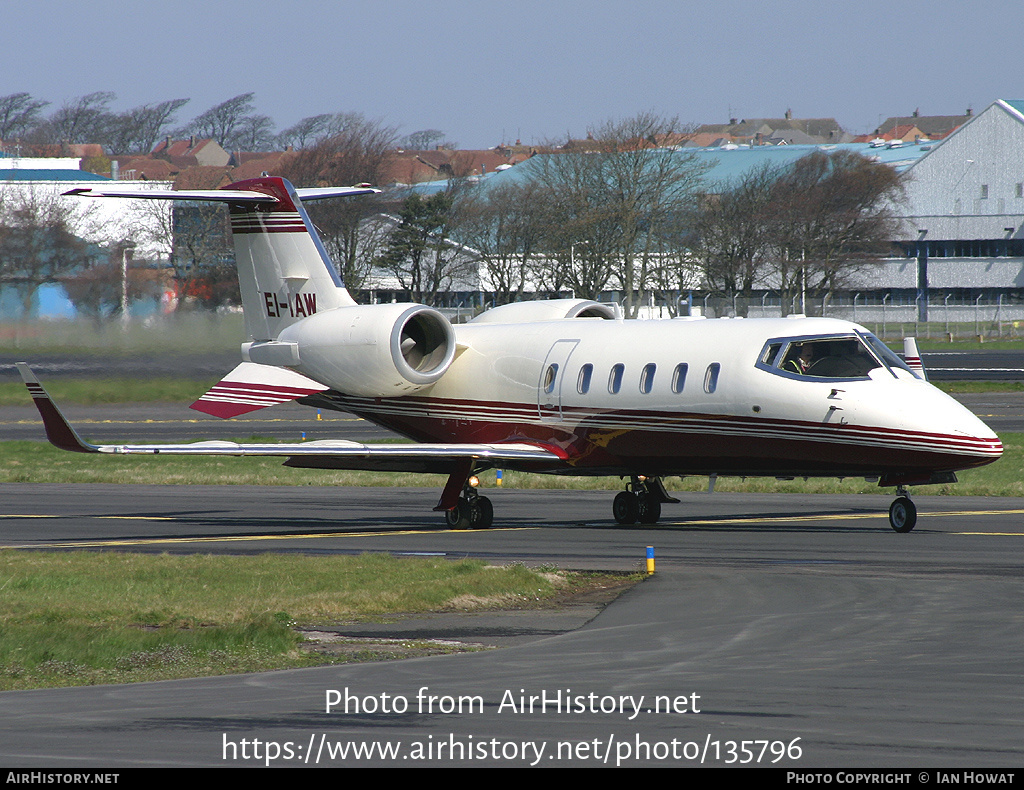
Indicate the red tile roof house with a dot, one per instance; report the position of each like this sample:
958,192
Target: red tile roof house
185,153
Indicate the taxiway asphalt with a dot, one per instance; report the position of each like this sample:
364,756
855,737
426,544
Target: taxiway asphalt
800,623
803,623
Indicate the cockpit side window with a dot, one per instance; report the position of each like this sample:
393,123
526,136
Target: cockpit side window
770,352
821,357
884,353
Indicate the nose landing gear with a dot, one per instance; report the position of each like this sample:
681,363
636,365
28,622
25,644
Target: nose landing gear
902,512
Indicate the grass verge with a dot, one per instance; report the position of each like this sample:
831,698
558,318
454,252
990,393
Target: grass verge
193,332
83,618
90,392
961,387
36,462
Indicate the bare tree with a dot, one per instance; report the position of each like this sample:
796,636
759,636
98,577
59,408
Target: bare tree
732,233
834,217
424,140
360,153
306,132
223,122
138,130
99,290
83,120
19,112
203,257
580,236
41,241
651,187
255,133
505,227
612,202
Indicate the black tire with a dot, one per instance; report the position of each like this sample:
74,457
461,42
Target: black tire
625,508
459,517
649,509
902,514
481,513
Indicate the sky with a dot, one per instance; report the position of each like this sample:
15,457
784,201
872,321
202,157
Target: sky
487,73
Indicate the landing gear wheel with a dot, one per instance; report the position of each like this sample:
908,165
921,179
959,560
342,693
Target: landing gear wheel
481,513
460,516
902,514
649,509
625,508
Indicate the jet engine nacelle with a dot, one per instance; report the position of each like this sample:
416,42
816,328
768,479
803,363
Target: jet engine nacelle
545,310
371,350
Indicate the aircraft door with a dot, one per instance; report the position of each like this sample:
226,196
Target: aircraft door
552,374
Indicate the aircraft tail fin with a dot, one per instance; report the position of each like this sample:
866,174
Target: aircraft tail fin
251,386
913,357
284,271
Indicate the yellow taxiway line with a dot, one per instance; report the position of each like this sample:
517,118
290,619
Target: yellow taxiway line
91,544
840,517
385,533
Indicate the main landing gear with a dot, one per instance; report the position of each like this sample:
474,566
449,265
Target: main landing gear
641,501
473,511
902,512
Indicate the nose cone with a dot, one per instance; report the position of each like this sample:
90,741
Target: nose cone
954,431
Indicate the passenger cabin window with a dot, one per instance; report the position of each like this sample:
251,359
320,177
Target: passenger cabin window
851,356
711,377
549,378
647,378
615,378
583,381
679,377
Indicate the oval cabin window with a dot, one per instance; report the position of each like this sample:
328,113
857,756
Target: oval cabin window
615,378
711,377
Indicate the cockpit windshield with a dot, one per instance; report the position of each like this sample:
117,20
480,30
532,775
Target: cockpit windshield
851,356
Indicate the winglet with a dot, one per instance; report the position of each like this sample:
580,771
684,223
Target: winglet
913,357
58,429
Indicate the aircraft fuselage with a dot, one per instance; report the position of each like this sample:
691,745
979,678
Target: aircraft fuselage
680,397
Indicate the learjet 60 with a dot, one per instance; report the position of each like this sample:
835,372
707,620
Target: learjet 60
563,386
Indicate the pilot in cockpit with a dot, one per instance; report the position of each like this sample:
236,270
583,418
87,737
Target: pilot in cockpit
800,359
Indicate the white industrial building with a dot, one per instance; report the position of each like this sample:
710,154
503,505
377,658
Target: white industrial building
144,223
963,225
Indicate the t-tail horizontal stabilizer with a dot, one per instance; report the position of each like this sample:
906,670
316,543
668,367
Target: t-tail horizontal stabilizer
284,271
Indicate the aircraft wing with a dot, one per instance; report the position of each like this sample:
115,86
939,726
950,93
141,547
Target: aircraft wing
324,454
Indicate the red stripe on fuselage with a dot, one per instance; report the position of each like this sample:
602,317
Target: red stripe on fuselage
679,443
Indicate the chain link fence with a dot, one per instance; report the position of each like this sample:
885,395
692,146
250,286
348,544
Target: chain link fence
949,318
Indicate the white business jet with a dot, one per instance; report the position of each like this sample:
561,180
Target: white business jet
557,387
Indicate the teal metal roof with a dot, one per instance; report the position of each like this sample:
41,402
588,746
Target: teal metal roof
729,165
1017,104
29,174
724,165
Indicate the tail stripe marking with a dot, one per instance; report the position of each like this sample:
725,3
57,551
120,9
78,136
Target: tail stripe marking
277,222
